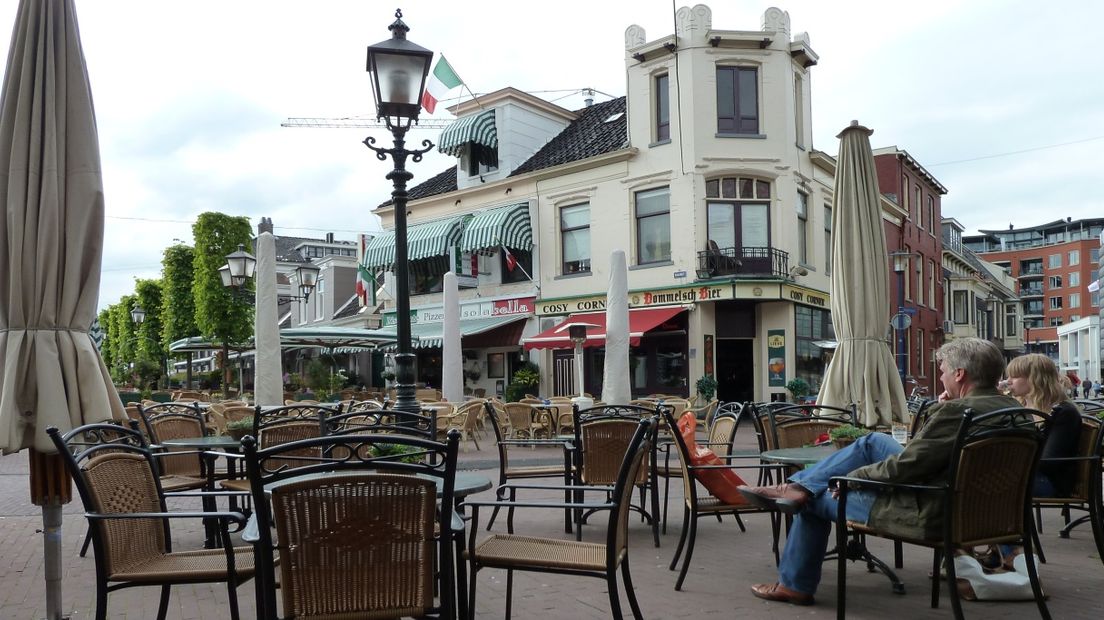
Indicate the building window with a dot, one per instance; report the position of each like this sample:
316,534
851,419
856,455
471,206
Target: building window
1075,300
302,311
1075,279
960,300
737,100
920,349
931,283
919,281
1074,257
1055,303
799,111
1054,261
1055,321
515,270
811,325
653,225
802,228
319,299
906,276
1055,281
739,215
1075,317
575,238
917,205
662,108
1010,319
931,215
904,195
827,239
1095,298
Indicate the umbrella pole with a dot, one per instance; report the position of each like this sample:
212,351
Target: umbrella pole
51,550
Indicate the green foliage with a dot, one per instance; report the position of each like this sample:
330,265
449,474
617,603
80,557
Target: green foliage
317,375
105,324
707,386
848,431
387,375
177,311
336,382
148,342
798,388
219,315
245,423
120,337
146,372
390,449
525,379
528,377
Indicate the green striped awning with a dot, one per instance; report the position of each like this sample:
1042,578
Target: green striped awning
430,335
423,241
478,128
486,232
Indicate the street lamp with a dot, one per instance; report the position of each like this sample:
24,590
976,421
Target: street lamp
138,316
241,266
901,321
399,69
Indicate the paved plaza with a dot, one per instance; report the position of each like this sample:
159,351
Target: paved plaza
726,562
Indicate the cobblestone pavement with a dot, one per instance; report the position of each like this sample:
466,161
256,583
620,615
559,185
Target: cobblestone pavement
726,562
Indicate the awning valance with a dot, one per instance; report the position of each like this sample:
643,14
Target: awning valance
510,226
423,241
329,336
478,129
641,321
429,335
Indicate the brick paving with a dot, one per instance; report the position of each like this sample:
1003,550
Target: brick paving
726,562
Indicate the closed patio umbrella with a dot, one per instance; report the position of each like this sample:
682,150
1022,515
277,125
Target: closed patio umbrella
616,387
51,239
862,370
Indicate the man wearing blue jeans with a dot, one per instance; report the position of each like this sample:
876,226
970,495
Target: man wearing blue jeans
969,370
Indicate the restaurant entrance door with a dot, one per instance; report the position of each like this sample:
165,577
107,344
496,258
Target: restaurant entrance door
735,370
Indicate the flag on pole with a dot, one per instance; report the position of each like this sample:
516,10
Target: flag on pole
441,81
366,280
511,261
1094,286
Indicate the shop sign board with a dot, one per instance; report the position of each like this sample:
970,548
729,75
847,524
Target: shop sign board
776,357
806,296
639,299
470,310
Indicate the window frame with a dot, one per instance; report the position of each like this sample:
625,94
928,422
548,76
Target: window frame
563,256
661,107
802,228
828,239
739,117
639,219
525,262
720,193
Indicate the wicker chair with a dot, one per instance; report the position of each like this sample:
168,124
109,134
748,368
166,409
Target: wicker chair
522,424
116,476
1086,494
280,425
602,434
695,506
506,472
176,421
358,533
466,420
986,499
381,421
547,555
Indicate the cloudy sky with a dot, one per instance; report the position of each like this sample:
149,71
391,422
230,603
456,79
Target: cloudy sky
1000,100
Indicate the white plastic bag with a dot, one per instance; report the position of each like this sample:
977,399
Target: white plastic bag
1007,586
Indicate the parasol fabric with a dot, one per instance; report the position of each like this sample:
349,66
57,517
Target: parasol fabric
616,388
862,370
51,236
268,378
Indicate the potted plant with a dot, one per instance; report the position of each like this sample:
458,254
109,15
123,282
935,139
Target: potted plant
798,389
707,387
388,376
240,428
842,436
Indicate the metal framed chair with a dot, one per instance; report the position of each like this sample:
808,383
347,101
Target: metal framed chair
696,506
117,477
359,528
514,552
986,499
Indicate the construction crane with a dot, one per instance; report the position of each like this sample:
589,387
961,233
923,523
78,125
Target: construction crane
355,122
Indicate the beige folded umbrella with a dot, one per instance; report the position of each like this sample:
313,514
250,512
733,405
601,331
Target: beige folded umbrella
51,240
862,370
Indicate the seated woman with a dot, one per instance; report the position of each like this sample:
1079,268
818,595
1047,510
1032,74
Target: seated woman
1034,381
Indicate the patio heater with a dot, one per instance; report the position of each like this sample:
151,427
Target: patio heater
399,69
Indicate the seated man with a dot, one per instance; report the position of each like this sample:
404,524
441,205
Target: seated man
970,369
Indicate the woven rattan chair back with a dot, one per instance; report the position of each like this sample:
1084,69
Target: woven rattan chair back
722,432
175,421
521,419
365,405
1089,445
358,533
634,466
381,421
288,424
989,495
604,445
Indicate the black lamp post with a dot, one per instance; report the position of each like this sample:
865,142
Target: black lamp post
399,69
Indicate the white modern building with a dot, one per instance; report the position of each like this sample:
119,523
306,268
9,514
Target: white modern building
1079,348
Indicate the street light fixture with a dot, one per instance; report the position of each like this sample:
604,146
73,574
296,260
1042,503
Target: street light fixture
241,266
399,69
138,314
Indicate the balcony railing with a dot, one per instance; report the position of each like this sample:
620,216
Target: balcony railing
746,261
1032,272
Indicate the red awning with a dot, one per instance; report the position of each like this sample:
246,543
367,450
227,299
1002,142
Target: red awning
641,320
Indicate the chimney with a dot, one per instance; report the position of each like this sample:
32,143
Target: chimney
588,97
265,226
329,238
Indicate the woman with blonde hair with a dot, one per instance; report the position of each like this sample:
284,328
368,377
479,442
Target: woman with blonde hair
1034,380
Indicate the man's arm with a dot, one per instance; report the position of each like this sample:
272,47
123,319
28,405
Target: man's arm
926,455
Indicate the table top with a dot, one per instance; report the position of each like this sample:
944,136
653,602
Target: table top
210,441
798,456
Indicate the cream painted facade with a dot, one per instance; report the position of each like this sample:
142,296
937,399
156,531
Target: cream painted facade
745,306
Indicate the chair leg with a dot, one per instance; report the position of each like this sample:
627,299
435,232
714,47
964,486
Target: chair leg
689,551
682,537
614,597
630,590
471,591
841,564
163,606
509,592
232,597
1033,576
87,541
739,521
1038,543
666,488
101,598
952,584
1097,521
935,579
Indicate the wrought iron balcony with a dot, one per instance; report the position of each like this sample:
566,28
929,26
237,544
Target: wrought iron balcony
743,262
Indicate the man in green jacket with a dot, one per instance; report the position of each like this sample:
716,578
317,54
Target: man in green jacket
969,370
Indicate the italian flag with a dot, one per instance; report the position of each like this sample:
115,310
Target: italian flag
365,280
441,81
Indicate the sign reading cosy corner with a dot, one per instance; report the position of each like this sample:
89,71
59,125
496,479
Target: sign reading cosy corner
470,310
639,299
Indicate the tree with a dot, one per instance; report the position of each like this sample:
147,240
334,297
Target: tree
105,324
177,299
220,315
120,339
147,337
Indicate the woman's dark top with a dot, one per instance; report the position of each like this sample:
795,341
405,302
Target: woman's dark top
1063,434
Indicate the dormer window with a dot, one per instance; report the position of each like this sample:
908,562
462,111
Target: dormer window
479,161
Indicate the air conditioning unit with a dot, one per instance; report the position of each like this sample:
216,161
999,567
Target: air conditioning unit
948,327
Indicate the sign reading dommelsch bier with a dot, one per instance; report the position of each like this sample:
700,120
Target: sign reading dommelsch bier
638,299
